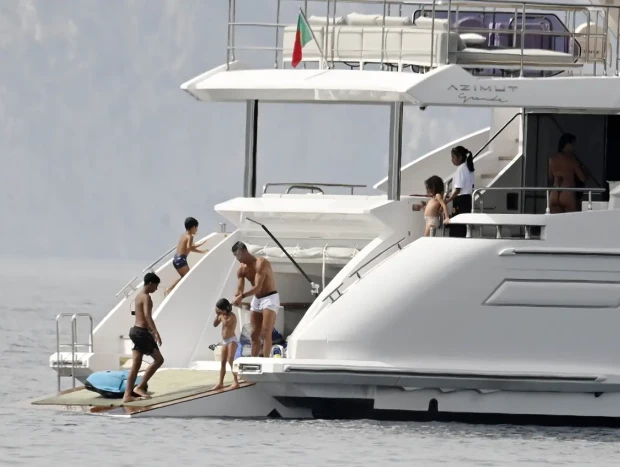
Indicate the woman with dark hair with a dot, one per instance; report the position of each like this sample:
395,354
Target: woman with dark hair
565,171
463,186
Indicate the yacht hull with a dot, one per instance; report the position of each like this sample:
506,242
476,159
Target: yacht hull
337,401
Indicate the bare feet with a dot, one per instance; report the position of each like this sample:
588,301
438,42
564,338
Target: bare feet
218,387
234,385
141,392
132,399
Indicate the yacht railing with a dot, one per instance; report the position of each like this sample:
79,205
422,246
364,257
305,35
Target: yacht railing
359,268
129,288
74,344
547,191
589,43
290,186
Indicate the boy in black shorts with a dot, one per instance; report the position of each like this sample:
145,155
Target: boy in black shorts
185,245
146,340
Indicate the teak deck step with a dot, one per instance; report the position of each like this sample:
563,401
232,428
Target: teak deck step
167,387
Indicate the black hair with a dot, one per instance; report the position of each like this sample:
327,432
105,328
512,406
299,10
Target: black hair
435,185
239,246
224,305
465,155
151,278
566,138
190,222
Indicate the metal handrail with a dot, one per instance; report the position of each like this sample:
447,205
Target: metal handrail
356,272
311,184
74,344
520,7
150,266
307,187
547,190
130,283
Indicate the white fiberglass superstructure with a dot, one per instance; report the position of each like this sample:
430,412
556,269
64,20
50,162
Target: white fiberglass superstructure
373,326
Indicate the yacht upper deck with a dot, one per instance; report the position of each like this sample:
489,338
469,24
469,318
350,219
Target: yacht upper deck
490,37
434,52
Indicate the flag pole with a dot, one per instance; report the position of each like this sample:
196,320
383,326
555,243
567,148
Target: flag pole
318,46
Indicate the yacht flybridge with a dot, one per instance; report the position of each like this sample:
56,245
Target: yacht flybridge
518,320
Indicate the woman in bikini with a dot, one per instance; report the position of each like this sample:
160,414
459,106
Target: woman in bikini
564,171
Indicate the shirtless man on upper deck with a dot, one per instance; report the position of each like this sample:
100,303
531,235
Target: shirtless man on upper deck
266,300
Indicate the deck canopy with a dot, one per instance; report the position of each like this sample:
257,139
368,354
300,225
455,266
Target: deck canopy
449,85
242,84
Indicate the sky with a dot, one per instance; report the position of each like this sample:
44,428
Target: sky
104,156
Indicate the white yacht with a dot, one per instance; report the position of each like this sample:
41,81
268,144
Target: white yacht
517,321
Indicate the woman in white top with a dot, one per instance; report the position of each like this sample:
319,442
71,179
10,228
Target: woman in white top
463,186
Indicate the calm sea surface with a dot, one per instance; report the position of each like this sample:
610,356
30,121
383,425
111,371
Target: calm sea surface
32,292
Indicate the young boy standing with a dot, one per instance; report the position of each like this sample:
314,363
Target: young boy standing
146,340
185,245
224,315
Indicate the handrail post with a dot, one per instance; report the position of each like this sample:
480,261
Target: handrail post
548,208
432,34
473,197
617,39
251,140
228,46
58,349
590,200
383,33
73,339
396,147
232,30
448,38
522,37
277,33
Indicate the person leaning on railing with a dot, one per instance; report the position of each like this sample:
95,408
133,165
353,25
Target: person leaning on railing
463,186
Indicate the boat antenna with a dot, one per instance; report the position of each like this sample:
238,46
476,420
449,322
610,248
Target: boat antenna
314,287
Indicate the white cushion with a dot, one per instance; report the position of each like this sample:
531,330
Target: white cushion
357,19
472,39
427,23
395,21
322,20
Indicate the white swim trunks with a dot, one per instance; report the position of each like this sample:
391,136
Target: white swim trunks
270,301
229,340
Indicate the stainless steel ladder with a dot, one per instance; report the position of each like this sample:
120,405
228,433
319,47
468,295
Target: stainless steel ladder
73,344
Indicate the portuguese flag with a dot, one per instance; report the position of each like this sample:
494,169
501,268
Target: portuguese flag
303,36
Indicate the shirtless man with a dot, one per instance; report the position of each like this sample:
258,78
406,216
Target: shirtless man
146,340
564,170
266,300
224,315
185,245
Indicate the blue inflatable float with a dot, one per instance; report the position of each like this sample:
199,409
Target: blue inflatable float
110,384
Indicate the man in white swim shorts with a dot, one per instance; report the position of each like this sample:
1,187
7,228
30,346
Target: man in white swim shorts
266,300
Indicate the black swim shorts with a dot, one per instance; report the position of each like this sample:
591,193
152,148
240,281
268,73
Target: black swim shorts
179,261
143,340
